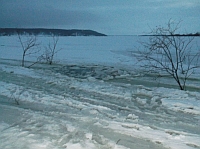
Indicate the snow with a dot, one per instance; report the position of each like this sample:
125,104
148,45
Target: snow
95,96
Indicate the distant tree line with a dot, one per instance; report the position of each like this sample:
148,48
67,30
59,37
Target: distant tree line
190,34
42,31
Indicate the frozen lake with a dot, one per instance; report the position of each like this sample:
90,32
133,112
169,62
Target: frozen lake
77,49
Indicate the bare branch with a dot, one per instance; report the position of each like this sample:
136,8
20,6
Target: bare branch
166,52
51,50
28,46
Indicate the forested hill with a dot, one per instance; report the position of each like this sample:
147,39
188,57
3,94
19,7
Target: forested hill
43,31
190,34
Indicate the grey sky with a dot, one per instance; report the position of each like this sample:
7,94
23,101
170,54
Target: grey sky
112,17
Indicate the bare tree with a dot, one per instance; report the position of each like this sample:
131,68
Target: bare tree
51,50
28,46
171,53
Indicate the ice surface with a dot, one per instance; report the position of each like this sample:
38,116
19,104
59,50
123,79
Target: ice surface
93,98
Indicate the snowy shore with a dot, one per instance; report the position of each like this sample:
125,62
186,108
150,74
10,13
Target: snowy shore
91,103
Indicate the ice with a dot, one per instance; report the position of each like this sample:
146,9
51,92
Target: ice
94,96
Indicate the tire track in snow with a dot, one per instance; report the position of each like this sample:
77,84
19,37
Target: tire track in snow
90,106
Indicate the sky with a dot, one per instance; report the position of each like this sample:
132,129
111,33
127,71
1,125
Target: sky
111,17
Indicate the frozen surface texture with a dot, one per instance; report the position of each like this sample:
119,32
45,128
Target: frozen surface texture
91,103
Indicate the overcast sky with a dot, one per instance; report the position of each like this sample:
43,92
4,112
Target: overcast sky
112,17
